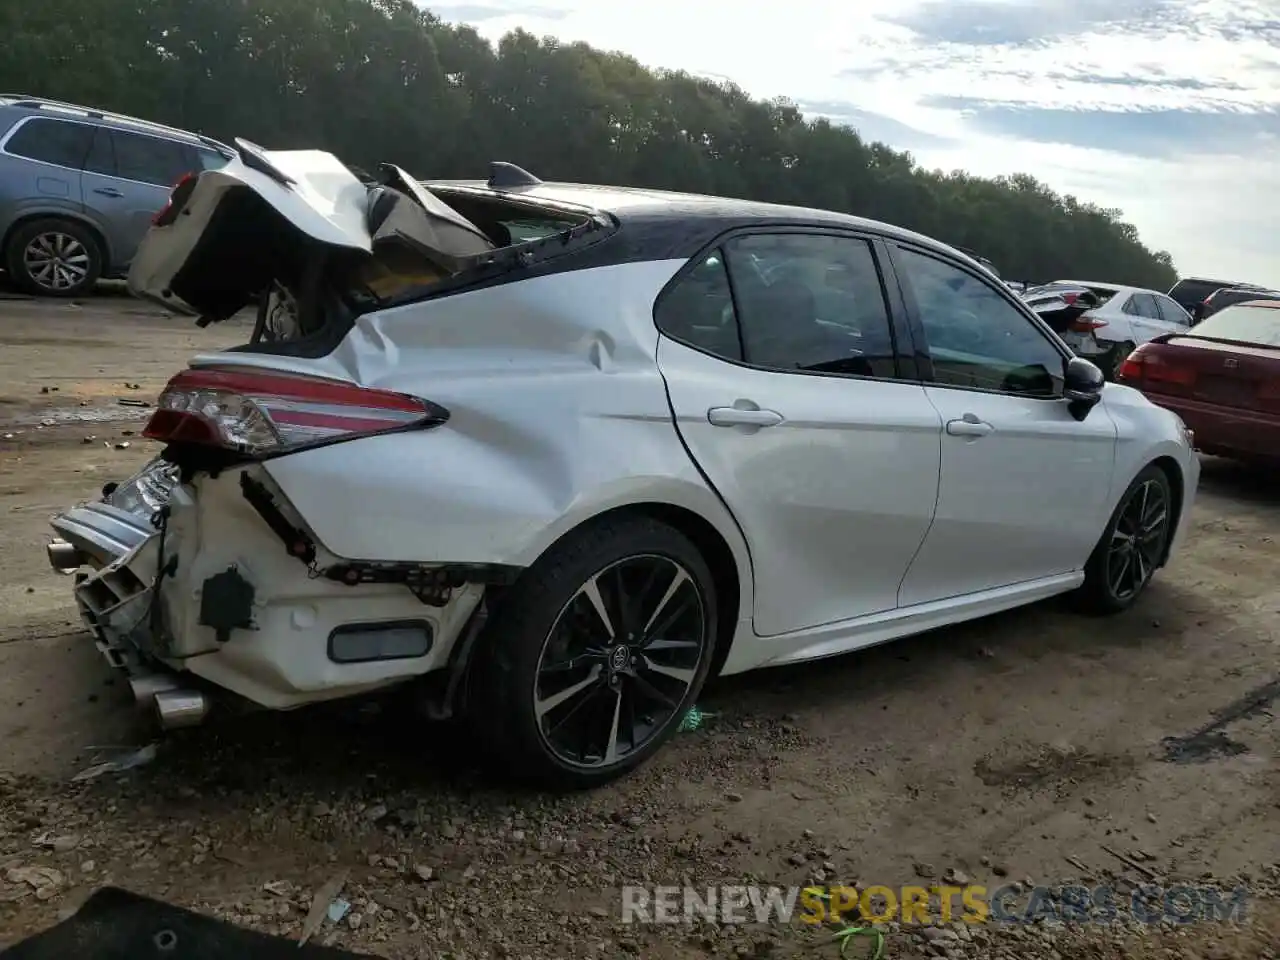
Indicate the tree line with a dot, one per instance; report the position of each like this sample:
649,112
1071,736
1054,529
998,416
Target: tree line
384,80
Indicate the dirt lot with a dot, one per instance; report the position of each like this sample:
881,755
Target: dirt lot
1012,749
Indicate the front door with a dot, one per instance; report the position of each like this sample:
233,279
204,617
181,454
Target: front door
784,392
1024,486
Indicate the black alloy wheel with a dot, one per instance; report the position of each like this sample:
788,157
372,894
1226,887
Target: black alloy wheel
1138,539
590,661
620,660
1134,544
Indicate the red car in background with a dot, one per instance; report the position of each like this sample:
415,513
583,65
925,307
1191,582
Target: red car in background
1222,378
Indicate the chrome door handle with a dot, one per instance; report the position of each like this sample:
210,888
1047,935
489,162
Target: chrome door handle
969,426
739,417
108,191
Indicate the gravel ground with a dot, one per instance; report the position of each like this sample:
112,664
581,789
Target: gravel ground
1031,748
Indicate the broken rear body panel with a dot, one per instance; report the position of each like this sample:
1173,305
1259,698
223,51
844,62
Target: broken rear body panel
556,413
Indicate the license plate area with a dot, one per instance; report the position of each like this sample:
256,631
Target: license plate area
1228,391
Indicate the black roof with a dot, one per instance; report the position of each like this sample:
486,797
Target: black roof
669,224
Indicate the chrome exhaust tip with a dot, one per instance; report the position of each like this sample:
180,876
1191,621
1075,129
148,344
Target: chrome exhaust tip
147,686
64,557
181,708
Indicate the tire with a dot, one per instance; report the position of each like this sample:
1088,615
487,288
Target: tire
582,740
1115,357
1108,587
54,257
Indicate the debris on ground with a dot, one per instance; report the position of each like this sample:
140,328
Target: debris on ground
138,758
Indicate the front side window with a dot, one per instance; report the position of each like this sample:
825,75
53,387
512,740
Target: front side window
698,310
150,159
976,337
51,141
811,302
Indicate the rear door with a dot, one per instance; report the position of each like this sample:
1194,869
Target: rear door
129,181
789,396
40,166
1024,485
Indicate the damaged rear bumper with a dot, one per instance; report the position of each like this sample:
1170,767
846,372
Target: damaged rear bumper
192,593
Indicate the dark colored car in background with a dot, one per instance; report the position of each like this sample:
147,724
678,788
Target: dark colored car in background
1191,293
1222,378
1228,296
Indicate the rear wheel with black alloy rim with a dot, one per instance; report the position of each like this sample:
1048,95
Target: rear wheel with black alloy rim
592,659
1132,546
53,257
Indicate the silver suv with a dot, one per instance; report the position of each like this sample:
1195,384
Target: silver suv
79,186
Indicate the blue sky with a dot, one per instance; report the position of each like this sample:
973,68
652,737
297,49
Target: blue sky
1167,109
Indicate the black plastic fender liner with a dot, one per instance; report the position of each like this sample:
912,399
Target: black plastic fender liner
115,924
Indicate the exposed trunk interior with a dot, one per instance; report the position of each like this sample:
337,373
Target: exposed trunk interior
307,291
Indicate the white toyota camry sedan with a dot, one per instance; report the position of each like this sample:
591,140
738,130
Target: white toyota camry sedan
554,454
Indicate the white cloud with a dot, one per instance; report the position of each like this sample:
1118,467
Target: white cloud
1211,207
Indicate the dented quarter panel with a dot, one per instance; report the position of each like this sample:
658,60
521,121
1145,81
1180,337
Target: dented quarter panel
523,457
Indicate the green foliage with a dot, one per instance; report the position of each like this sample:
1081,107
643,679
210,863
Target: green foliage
374,80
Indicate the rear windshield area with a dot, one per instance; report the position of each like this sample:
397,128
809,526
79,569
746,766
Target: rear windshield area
426,241
1256,325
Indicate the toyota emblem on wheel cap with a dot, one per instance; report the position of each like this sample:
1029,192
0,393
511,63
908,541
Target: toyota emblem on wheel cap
620,658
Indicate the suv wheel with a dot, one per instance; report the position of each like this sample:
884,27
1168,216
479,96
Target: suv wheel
53,258
594,656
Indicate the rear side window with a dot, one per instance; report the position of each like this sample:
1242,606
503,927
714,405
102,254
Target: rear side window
1142,305
150,159
210,160
699,310
1260,325
811,302
51,141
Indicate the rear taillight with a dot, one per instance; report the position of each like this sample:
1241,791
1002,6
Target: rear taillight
1147,367
177,200
259,414
1131,368
1085,323
1070,298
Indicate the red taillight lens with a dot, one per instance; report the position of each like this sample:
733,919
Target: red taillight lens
257,414
1085,323
1131,368
177,200
1070,298
1151,367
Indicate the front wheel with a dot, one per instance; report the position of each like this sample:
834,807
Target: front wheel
1132,545
593,657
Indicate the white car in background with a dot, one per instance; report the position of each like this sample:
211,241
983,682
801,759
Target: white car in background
1124,318
558,453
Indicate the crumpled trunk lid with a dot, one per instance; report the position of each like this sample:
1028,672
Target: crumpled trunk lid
274,217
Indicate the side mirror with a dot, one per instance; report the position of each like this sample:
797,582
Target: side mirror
1082,386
